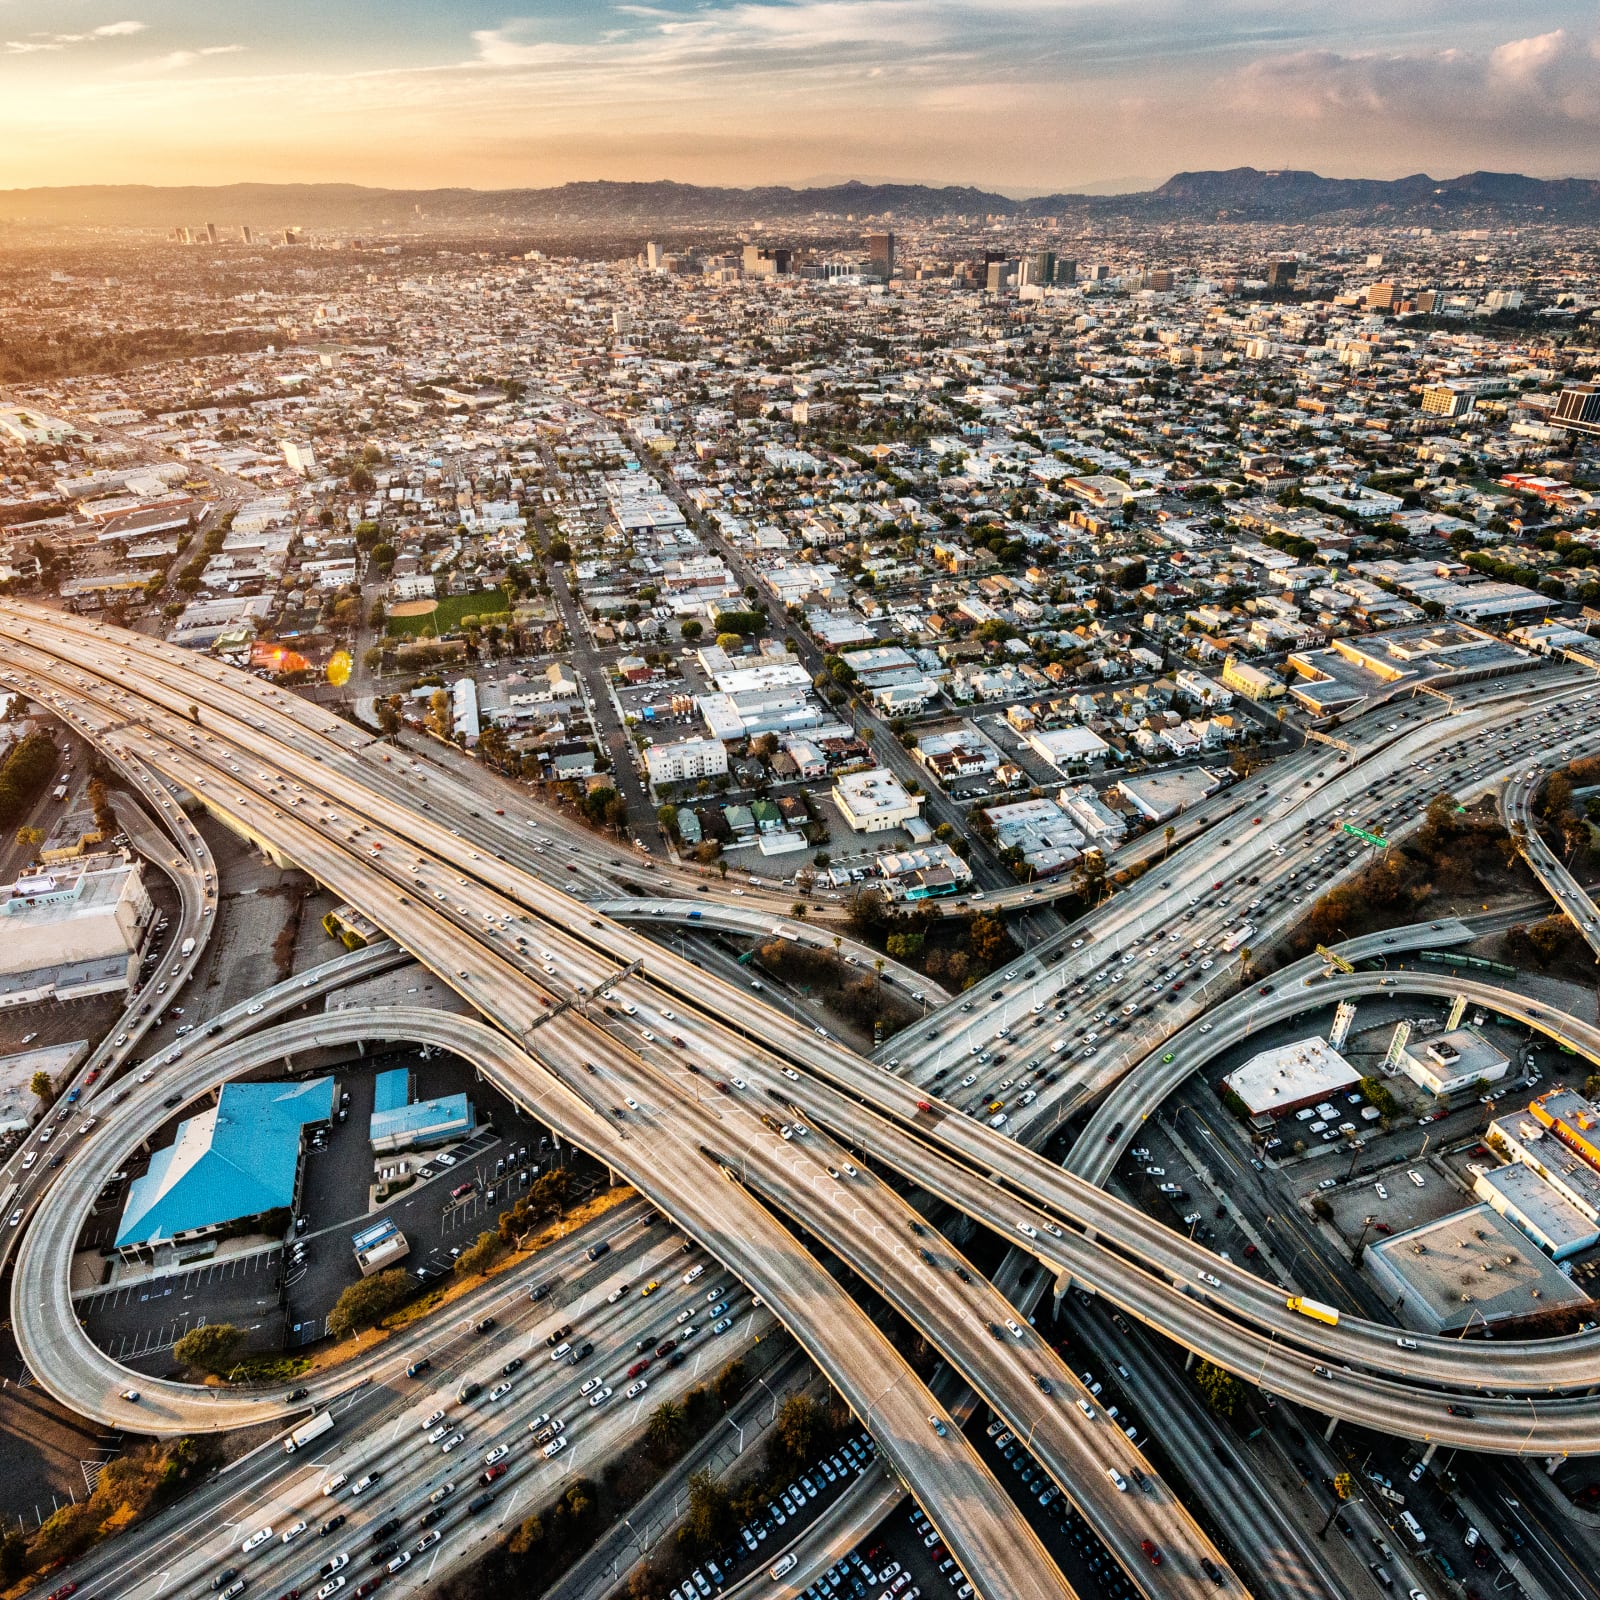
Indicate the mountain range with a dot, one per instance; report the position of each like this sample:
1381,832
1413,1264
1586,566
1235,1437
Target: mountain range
1240,194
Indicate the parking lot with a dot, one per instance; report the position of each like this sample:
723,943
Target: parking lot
141,1321
785,1515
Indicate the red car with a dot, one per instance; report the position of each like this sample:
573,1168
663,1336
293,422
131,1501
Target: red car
498,1470
1152,1551
64,1591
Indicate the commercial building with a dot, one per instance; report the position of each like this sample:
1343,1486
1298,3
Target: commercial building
1041,831
1287,1077
19,1105
1521,1195
300,456
874,801
1253,683
1574,1120
73,931
1068,749
1449,1063
1526,1138
686,760
236,1162
400,1123
1472,1266
1159,795
1577,409
924,872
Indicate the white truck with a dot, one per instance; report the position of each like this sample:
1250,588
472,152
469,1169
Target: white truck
1232,941
307,1431
186,948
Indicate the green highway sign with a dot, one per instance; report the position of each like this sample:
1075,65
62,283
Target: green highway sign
1369,838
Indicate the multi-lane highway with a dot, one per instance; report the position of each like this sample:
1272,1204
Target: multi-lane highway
1516,806
520,948
500,985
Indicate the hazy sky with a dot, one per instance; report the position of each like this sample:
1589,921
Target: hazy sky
1016,95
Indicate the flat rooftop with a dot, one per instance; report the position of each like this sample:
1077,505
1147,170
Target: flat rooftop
1473,1261
1291,1075
18,1103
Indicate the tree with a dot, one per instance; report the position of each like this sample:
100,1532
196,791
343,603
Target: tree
30,838
663,1433
1557,796
388,717
710,1513
799,1422
477,1258
368,1302
1223,1392
13,1557
42,1084
528,1537
210,1348
549,1191
729,1383
691,629
105,819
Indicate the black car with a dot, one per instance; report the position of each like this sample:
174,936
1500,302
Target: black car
540,1292
295,1394
224,1578
430,1516
417,1367
384,1551
560,1333
332,1525
382,1533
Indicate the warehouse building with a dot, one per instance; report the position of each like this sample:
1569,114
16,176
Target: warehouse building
238,1162
1287,1077
1451,1063
1472,1266
74,930
1521,1195
401,1123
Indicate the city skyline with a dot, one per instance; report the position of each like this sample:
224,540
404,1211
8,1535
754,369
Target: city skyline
1031,96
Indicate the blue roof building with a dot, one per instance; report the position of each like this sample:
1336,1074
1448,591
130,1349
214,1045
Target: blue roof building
237,1160
400,1123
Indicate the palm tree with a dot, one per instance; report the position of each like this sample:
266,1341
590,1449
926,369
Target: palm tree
1169,833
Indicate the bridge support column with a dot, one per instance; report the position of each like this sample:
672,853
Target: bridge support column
1059,1288
361,1047
1188,1361
1428,1454
1327,1433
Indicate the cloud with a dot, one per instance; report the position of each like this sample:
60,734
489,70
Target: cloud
176,60
35,42
1548,81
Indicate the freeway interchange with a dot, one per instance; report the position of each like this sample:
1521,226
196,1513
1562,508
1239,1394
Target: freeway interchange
556,982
